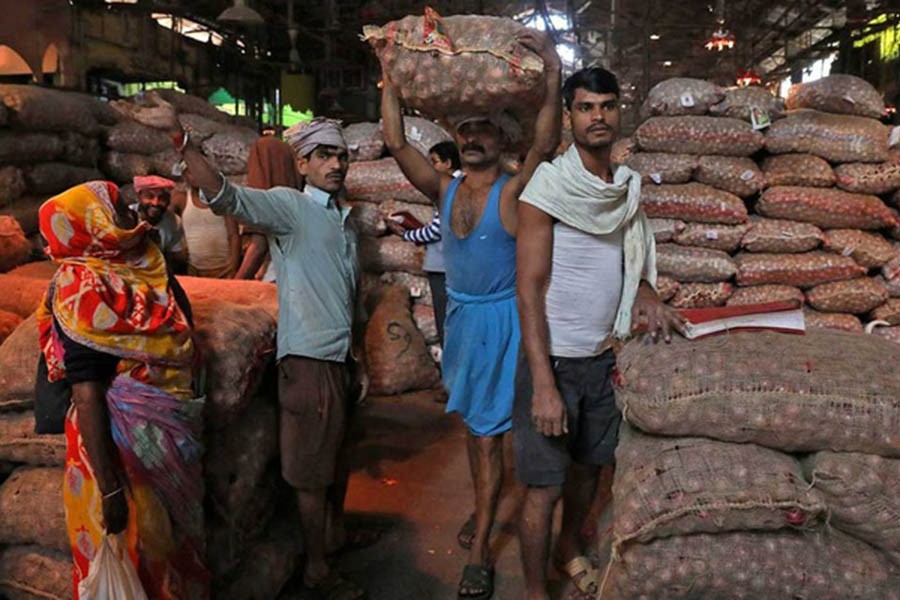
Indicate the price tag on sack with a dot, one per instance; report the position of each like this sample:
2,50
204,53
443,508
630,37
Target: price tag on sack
747,175
759,117
416,134
711,234
850,99
687,100
894,138
656,178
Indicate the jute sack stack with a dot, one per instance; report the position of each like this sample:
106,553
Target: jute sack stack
35,573
825,565
787,392
860,491
667,486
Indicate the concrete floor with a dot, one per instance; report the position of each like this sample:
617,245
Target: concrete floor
411,479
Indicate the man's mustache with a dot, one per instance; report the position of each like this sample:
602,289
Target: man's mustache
476,147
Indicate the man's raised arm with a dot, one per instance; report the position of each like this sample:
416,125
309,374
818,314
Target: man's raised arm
548,125
417,168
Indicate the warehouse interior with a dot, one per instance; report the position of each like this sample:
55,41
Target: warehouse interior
752,443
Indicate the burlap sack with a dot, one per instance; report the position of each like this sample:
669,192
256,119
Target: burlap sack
734,174
366,219
398,358
754,565
681,96
419,289
861,493
423,134
660,167
122,168
472,64
889,311
621,149
229,150
856,296
783,391
390,254
666,288
80,150
237,458
836,138
763,294
687,264
423,315
738,103
25,211
693,202
799,270
702,295
709,235
868,178
186,103
668,486
380,180
14,247
837,321
236,342
47,179
20,444
18,366
842,94
781,236
8,323
34,108
24,148
31,508
868,249
134,138
364,141
12,185
35,573
665,230
698,135
202,128
826,208
891,334
797,169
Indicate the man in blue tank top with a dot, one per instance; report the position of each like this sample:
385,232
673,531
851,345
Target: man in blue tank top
586,272
481,331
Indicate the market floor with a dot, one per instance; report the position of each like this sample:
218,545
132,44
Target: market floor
412,480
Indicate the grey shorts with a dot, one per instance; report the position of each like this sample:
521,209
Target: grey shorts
585,385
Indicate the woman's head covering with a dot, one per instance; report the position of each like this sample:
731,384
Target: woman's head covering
271,164
111,291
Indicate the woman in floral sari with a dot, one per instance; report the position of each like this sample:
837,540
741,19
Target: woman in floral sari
112,325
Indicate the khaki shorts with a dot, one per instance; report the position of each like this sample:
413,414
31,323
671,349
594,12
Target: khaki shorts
314,400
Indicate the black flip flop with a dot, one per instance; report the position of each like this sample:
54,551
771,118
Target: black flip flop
466,534
478,577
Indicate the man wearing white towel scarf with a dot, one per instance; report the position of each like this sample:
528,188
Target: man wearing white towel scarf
586,274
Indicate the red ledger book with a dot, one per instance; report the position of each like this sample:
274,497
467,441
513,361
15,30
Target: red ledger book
785,317
406,220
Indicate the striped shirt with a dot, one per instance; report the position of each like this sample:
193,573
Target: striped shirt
425,235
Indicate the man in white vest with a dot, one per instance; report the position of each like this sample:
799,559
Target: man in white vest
586,273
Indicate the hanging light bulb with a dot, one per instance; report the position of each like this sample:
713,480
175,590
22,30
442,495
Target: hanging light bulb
748,77
241,14
721,38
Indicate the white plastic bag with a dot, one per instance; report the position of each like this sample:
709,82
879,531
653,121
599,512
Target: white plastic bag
111,575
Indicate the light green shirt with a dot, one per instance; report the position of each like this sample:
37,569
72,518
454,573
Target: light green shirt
316,266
